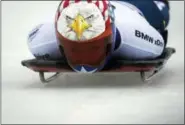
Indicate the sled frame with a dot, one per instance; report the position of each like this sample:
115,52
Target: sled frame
154,66
43,79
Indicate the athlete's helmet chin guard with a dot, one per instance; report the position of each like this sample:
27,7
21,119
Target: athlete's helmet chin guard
85,30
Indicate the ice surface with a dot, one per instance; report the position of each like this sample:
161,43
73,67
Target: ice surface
107,98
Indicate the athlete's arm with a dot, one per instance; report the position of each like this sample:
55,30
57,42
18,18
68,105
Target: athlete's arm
139,40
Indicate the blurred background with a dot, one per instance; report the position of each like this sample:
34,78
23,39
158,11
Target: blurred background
99,98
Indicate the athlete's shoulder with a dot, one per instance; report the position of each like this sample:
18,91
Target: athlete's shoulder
42,32
126,13
42,41
128,6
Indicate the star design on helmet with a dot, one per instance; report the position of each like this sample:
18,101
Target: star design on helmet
84,70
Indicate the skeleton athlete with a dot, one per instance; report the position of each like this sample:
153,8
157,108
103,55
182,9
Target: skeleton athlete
89,33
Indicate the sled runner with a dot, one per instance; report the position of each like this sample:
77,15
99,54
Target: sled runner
114,65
